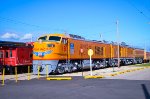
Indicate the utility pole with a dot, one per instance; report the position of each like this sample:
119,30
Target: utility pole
117,32
145,57
100,36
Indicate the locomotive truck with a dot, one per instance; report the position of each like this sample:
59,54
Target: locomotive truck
60,53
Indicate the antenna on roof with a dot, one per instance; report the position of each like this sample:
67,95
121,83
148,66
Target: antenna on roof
100,36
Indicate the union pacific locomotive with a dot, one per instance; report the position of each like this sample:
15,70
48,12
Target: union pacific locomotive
60,53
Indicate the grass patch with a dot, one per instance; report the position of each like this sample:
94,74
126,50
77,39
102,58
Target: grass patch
145,64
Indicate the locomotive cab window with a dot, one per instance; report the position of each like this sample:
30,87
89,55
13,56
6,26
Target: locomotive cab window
64,41
10,53
6,53
54,38
42,38
1,54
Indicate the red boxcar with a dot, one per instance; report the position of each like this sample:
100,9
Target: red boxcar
15,54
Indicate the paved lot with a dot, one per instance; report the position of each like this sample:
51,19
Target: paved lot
106,72
131,85
136,75
78,88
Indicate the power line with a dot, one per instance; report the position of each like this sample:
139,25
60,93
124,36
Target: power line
141,12
37,26
41,27
18,22
26,24
31,25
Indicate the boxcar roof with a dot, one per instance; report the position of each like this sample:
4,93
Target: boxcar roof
12,44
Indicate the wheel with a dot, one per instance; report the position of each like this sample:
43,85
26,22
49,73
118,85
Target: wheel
140,61
70,69
60,70
96,66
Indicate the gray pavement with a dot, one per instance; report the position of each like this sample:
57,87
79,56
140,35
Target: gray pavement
78,88
136,75
106,72
132,85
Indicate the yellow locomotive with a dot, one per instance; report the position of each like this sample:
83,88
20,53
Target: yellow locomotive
66,53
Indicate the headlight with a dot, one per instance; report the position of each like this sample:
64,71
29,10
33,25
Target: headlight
50,45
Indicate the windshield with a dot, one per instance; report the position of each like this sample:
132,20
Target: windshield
42,38
54,38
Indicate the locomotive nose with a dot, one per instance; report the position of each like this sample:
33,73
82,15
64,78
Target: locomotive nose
47,66
50,45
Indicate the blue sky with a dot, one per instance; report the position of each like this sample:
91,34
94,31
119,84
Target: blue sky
19,19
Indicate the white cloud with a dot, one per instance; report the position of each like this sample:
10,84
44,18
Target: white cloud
10,36
26,37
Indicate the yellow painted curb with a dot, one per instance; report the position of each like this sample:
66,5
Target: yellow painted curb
147,67
133,70
128,70
113,74
92,77
59,78
121,72
138,69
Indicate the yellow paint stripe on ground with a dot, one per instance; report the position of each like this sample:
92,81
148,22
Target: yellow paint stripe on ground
128,70
133,70
138,69
59,78
146,67
93,77
121,72
113,74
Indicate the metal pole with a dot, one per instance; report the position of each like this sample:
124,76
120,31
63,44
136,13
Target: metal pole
100,36
28,72
38,72
16,74
118,43
81,64
112,56
145,57
46,70
91,65
3,79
